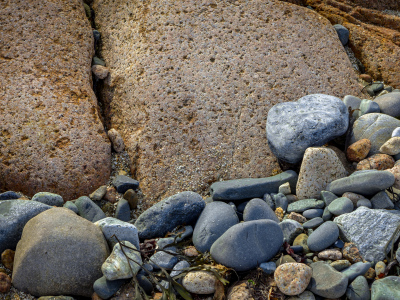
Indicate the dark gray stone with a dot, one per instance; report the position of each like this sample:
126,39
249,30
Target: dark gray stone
328,197
106,288
14,214
216,218
313,213
268,198
268,268
178,235
49,199
374,88
341,206
343,33
358,289
123,210
281,201
389,104
376,127
326,281
368,107
242,206
326,216
313,223
364,183
303,205
71,206
382,201
89,210
313,120
10,195
387,288
145,283
258,209
324,236
179,209
98,61
355,270
245,245
291,229
248,188
123,183
163,259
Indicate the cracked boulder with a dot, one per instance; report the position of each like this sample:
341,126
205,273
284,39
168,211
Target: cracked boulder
51,136
191,83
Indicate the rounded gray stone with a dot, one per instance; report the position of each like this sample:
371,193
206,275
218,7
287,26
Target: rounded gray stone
328,197
324,236
48,198
368,107
243,246
71,205
303,205
291,229
364,202
389,104
358,289
326,216
257,209
123,210
341,206
313,213
89,210
281,201
216,218
357,269
179,209
313,223
313,120
382,201
123,183
163,259
106,288
343,33
387,288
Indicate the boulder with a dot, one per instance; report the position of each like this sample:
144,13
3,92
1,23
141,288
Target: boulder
51,135
191,101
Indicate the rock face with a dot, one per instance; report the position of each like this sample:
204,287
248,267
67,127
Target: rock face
59,253
191,99
51,136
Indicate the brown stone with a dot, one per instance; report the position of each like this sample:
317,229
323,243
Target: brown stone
111,194
292,278
376,162
132,198
297,217
366,78
116,140
7,259
351,253
5,283
51,135
190,251
396,172
359,150
99,71
279,213
370,274
374,35
96,297
191,99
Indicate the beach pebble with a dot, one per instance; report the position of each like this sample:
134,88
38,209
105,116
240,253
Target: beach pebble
382,201
313,213
355,270
395,133
132,198
313,223
199,282
98,194
10,195
268,267
354,197
380,268
358,289
366,78
376,162
340,265
386,288
358,150
123,183
100,71
341,206
48,198
124,231
106,288
280,201
89,210
306,295
326,215
391,147
7,259
257,209
301,240
351,253
396,173
285,189
303,205
5,283
291,229
163,259
331,254
297,217
389,104
364,202
324,236
328,197
292,278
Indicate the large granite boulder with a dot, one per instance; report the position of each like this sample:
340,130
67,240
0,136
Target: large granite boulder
51,136
191,83
59,253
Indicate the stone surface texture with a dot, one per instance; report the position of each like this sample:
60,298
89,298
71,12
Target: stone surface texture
51,135
191,83
292,278
320,166
358,150
59,253
391,147
376,162
199,282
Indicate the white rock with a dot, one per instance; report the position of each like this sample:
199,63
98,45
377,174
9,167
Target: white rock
199,282
99,71
285,189
391,147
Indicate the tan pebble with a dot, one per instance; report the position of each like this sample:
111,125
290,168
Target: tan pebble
391,147
297,217
359,150
199,282
111,195
332,254
396,172
366,78
376,162
292,278
239,291
96,297
116,140
301,240
157,296
5,283
315,259
7,258
190,251
380,268
279,213
284,260
340,265
99,71
285,188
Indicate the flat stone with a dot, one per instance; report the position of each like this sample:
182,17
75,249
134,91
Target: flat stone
389,104
59,144
291,229
328,197
303,205
199,282
327,215
313,213
54,247
216,218
123,210
182,208
313,120
326,281
358,289
366,183
320,166
89,210
358,150
124,231
376,162
391,146
386,288
382,201
123,183
48,198
313,223
176,236
369,230
355,270
106,288
239,189
246,244
341,206
292,278
98,194
375,127
324,236
163,259
118,266
145,103
14,214
343,33
297,217
257,209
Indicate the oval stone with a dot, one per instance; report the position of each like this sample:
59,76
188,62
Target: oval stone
257,209
341,206
292,278
199,282
324,236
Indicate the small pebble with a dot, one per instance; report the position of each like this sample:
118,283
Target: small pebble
5,283
190,251
297,217
341,206
292,278
199,282
132,198
7,258
359,150
98,194
111,195
380,268
284,189
391,147
340,265
100,71
351,253
331,254
376,162
366,78
268,267
117,141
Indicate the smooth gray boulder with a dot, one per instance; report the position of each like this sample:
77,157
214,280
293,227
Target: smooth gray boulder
14,214
369,230
59,253
377,127
258,209
247,188
89,210
216,218
357,269
245,245
313,120
366,183
389,104
339,206
179,209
